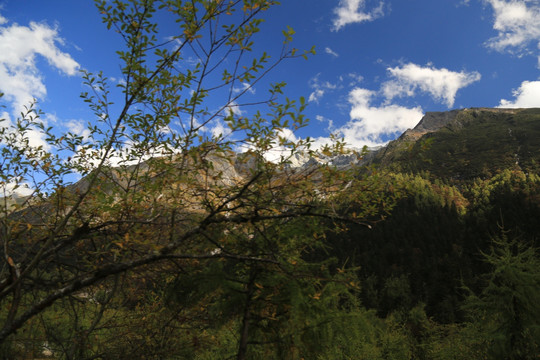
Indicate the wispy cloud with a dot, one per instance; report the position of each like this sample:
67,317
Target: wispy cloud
517,23
354,11
355,78
319,88
442,84
316,95
528,95
235,108
331,52
244,87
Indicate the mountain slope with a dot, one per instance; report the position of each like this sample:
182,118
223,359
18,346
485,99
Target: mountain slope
460,179
468,143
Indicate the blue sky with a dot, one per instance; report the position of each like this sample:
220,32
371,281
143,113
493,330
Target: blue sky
380,65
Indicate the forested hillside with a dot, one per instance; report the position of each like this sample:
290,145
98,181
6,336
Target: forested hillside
468,144
406,261
431,243
414,260
464,221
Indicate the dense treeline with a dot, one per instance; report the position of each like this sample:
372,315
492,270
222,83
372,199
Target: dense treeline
436,268
434,250
431,243
448,272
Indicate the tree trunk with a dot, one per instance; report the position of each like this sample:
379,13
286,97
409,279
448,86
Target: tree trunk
244,331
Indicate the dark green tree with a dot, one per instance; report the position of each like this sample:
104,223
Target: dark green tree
506,313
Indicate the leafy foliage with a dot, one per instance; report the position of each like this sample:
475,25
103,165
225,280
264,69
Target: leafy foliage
175,235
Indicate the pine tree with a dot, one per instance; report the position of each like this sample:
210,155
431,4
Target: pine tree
506,313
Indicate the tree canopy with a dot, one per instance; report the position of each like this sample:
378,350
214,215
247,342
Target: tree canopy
171,223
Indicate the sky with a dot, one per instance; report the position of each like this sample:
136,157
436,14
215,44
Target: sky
380,64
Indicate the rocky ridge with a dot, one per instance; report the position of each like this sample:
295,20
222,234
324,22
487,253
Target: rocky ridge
432,122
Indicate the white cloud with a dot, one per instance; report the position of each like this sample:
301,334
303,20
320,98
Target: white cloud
176,43
355,78
16,189
528,95
353,11
78,128
323,120
441,84
220,130
319,142
20,79
316,95
331,52
245,87
278,150
320,88
374,124
234,108
518,25
35,137
370,123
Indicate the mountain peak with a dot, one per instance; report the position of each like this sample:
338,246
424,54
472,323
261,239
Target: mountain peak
468,143
433,121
